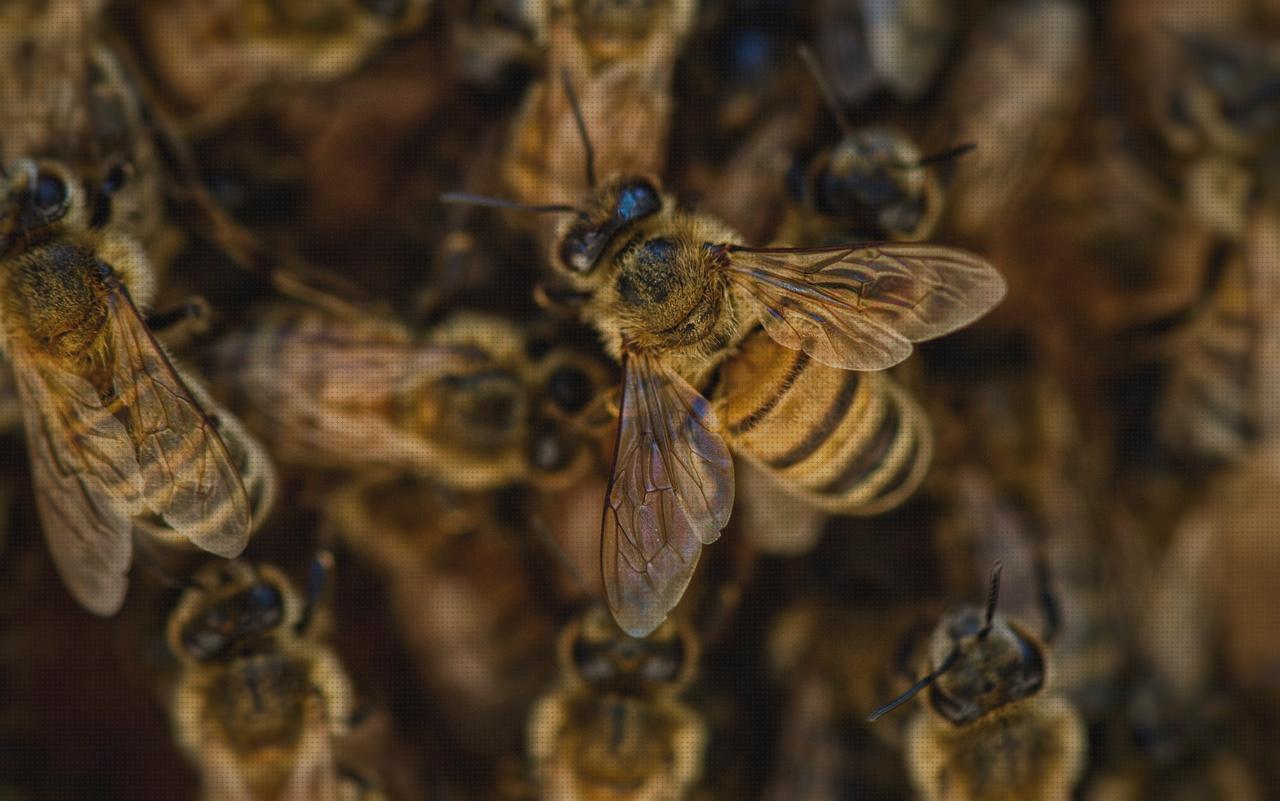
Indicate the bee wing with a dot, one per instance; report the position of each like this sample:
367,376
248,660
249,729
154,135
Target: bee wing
671,492
861,307
315,382
86,480
188,476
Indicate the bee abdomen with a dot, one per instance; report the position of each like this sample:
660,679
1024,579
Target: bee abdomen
850,443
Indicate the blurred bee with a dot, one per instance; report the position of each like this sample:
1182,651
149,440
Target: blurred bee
260,698
45,50
895,43
990,731
208,61
874,184
835,662
1222,93
1174,753
622,54
615,727
1014,94
672,295
115,434
1218,400
467,406
69,98
461,595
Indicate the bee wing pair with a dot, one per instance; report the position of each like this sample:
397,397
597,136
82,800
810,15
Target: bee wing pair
99,462
856,308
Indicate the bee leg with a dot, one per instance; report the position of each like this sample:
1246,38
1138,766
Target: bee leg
1049,607
318,586
181,323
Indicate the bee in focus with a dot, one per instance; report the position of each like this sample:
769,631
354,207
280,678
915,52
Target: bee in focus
622,55
841,441
466,405
615,727
672,295
119,440
209,61
260,698
992,732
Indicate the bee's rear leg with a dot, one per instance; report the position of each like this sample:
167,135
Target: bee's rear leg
181,324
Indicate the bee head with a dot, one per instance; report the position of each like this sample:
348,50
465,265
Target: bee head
978,662
231,607
996,663
37,194
872,180
602,656
611,214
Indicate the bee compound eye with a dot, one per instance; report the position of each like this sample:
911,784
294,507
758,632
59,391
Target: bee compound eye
49,192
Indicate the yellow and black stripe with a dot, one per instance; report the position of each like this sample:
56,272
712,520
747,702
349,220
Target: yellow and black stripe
849,442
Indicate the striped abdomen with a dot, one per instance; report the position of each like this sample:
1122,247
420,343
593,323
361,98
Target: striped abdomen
1210,410
849,442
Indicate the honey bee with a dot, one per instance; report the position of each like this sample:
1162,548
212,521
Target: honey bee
260,698
465,406
673,295
69,98
874,184
1014,90
991,730
844,442
615,727
622,55
895,43
1218,399
208,61
116,435
461,596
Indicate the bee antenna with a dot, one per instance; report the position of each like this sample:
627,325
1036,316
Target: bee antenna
993,595
824,86
467,199
915,689
318,582
581,122
950,154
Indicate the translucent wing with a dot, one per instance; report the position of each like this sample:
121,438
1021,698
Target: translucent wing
861,307
321,382
188,476
86,481
671,493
